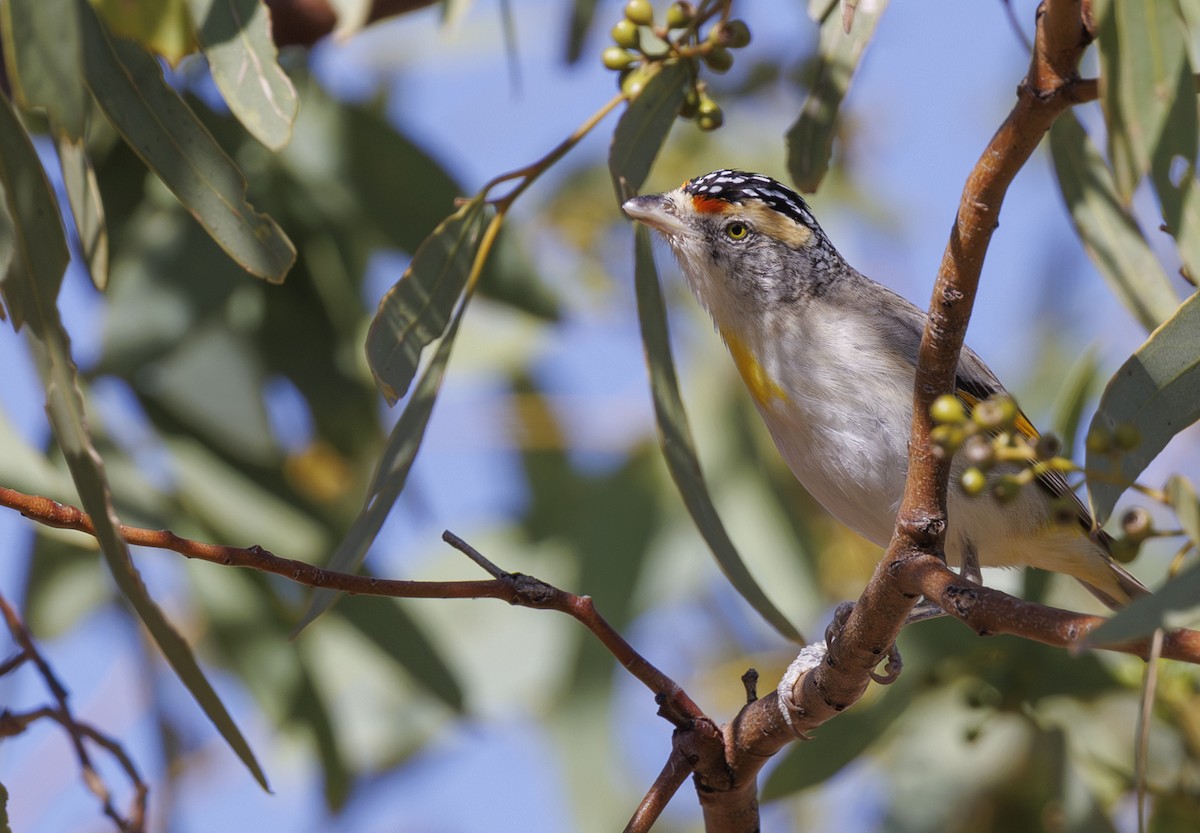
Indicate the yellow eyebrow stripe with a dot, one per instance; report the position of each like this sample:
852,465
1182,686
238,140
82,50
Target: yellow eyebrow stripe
763,388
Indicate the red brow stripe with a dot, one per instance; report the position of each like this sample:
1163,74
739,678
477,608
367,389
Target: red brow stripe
708,205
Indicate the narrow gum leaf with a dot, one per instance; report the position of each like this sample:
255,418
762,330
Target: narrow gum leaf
152,118
644,126
386,625
1175,604
32,280
810,138
417,309
83,194
676,439
1158,391
235,36
1108,230
44,59
1141,44
391,472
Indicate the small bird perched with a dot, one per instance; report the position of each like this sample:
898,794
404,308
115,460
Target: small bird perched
829,357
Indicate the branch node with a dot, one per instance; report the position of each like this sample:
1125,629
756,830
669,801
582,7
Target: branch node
750,683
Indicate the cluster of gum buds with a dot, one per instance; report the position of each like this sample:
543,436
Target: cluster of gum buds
641,44
1004,454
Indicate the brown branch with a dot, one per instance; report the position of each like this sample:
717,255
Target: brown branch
668,782
514,588
13,724
727,792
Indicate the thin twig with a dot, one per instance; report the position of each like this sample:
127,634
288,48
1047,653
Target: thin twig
13,724
513,588
668,782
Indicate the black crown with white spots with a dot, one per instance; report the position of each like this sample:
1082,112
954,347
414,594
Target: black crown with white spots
739,186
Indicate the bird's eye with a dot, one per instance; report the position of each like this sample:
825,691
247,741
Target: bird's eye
737,231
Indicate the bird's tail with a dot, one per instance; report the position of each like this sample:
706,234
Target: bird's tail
1109,581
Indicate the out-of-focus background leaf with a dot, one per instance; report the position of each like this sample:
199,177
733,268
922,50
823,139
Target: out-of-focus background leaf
234,410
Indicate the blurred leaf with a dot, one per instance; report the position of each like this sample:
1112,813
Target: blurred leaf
161,26
810,138
1142,46
386,625
83,194
1108,230
236,38
1073,395
1174,171
676,438
583,14
212,381
308,708
391,472
352,15
236,508
579,507
63,586
353,162
247,632
128,83
1175,812
34,278
644,127
44,58
417,309
839,742
1181,494
1175,604
1157,391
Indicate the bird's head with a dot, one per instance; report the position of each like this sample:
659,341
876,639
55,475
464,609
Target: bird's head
742,239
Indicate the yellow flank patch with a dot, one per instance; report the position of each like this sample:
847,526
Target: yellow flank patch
762,387
778,225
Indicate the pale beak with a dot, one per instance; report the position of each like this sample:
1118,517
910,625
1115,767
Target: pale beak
658,212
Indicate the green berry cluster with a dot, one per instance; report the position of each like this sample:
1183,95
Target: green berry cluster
993,432
640,44
1003,454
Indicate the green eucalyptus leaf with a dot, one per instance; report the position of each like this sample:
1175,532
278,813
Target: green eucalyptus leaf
129,86
1072,397
385,624
1157,391
83,194
810,138
33,279
676,438
235,36
1181,494
161,26
418,308
644,127
1142,48
44,57
1109,232
1175,604
1174,171
391,472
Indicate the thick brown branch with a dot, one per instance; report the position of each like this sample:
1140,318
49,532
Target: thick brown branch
990,612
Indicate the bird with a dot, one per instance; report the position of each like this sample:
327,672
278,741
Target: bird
829,358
